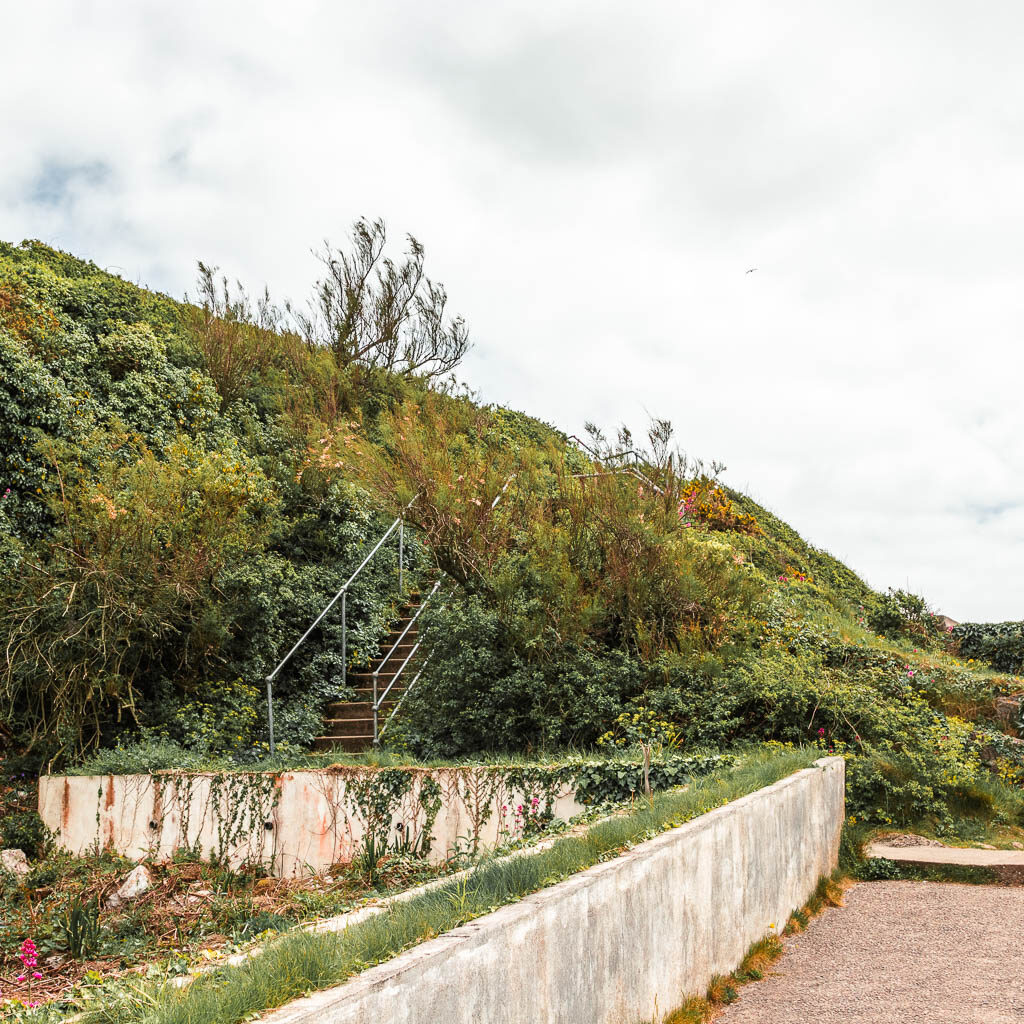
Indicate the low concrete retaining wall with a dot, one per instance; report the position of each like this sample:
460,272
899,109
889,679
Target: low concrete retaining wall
297,822
624,942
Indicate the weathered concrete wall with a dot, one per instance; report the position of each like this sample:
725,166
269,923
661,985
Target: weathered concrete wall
295,822
624,942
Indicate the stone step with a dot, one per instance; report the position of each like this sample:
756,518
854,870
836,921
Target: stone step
362,680
365,693
409,640
348,725
397,656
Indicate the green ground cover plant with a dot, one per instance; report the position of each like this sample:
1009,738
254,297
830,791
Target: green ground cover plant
192,911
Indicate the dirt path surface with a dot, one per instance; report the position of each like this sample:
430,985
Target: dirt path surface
899,952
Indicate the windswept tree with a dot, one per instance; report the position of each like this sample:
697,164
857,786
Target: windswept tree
370,310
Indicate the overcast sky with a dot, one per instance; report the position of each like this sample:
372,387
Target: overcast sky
592,181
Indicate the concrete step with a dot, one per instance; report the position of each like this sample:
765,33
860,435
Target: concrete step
350,744
345,728
341,710
1008,865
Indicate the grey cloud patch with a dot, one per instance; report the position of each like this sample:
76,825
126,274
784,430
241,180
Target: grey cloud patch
58,181
983,513
722,149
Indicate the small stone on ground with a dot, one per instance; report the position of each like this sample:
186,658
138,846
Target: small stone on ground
899,952
14,861
137,882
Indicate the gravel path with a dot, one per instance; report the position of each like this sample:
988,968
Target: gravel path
899,952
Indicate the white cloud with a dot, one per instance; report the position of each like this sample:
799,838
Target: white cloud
591,182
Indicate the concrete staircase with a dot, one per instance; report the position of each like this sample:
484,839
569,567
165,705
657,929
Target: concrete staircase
348,725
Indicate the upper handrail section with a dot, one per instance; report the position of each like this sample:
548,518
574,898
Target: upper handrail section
344,590
625,470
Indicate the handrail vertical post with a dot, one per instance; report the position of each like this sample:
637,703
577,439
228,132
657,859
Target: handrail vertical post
344,639
270,711
401,554
376,673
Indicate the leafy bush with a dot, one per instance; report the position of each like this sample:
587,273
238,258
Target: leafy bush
562,556
153,534
221,716
25,831
480,692
126,589
615,781
705,502
150,754
900,614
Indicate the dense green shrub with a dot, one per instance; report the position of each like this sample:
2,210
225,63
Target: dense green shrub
612,781
999,643
481,693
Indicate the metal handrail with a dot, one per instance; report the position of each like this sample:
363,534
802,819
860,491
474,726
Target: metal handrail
343,595
378,697
408,690
401,636
378,702
625,471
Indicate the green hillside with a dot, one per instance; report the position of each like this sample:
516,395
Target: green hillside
185,486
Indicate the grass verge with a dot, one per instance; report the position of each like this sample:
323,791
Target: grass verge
302,962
